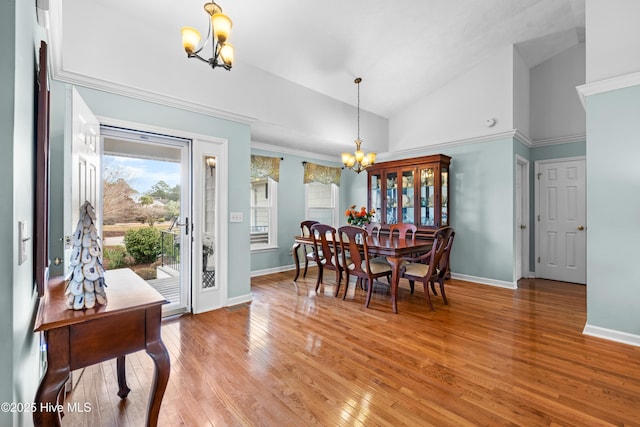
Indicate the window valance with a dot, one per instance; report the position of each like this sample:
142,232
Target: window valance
321,174
263,167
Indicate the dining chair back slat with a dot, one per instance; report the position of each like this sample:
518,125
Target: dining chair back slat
309,252
327,252
403,229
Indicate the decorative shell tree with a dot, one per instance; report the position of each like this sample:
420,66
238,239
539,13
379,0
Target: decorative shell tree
86,285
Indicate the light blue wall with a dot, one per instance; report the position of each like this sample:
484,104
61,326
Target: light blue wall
7,239
19,355
613,206
481,181
147,113
481,184
290,209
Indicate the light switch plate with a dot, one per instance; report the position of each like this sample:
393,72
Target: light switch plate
235,217
22,242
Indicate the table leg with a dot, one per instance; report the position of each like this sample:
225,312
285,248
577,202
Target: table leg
158,352
48,410
294,249
123,389
395,280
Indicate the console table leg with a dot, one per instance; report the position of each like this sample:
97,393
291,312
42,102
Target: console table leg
160,356
123,389
48,410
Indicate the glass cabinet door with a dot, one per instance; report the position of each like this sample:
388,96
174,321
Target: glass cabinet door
391,208
444,198
427,197
376,196
407,198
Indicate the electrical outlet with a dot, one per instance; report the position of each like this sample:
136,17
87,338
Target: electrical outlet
236,217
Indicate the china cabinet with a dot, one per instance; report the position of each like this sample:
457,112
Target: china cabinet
412,191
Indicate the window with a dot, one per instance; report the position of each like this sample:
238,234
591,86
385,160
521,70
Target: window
264,213
322,202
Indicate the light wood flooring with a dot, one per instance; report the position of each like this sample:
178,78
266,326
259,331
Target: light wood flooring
292,357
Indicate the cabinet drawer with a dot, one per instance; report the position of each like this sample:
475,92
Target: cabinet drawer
106,338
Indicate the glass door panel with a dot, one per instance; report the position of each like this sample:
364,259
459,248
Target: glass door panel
392,198
427,195
445,196
376,196
408,212
209,227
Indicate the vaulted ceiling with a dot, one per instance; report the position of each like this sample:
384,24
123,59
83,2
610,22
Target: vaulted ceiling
403,49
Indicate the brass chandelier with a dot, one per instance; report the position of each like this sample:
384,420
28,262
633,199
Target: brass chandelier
358,161
219,28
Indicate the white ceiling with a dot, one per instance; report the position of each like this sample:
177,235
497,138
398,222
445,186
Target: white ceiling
402,49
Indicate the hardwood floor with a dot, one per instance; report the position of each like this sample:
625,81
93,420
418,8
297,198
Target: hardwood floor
296,358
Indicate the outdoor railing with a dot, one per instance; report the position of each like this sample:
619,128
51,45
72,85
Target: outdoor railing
170,249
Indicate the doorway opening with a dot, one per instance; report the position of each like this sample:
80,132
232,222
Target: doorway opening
146,210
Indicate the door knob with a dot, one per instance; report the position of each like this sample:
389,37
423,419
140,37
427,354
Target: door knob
523,226
580,227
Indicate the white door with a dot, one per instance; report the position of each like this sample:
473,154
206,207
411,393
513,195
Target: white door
82,176
157,166
561,251
209,221
522,218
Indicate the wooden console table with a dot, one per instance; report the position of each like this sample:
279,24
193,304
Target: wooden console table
129,322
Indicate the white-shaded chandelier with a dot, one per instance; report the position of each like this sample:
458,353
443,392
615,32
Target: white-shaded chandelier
218,34
358,161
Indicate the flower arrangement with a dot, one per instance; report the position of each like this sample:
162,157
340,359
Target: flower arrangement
359,217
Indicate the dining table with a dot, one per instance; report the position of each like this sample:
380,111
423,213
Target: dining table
393,248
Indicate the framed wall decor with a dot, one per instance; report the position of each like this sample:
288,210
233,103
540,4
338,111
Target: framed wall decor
41,207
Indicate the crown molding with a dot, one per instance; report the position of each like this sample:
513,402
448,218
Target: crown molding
417,151
294,152
560,140
148,96
607,85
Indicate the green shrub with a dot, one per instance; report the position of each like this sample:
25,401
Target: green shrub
114,257
143,244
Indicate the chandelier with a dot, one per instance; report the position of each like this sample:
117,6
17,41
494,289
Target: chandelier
358,161
219,27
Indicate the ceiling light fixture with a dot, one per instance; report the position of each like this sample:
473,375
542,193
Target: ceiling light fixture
218,33
358,161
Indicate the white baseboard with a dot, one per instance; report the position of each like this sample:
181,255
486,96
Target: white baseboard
242,299
274,270
485,281
612,335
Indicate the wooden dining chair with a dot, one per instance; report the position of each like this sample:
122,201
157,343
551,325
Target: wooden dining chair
308,250
443,268
353,241
427,267
373,228
403,230
327,252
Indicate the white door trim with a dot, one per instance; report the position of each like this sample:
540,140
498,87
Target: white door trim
537,165
522,235
206,299
223,241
